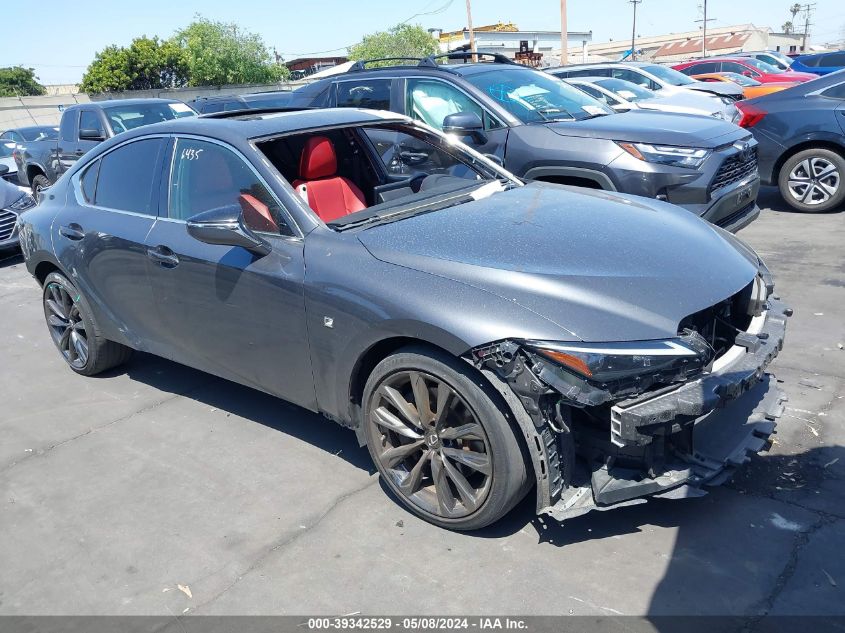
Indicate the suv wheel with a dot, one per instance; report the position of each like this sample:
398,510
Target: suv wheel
74,331
442,440
812,180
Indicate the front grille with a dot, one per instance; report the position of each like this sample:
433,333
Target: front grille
7,224
735,168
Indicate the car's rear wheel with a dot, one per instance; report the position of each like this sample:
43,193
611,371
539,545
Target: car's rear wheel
813,180
442,440
74,331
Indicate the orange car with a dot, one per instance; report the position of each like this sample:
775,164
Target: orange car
750,87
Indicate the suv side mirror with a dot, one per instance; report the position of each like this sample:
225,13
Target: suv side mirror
91,135
225,226
465,124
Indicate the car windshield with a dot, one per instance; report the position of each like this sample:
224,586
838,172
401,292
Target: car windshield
39,133
533,96
276,101
669,75
763,67
626,89
742,80
127,117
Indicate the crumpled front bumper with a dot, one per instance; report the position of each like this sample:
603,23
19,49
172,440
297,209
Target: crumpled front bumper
725,415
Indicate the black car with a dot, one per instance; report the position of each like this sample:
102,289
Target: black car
541,128
482,336
230,103
800,133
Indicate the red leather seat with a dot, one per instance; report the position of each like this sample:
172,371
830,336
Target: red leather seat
329,195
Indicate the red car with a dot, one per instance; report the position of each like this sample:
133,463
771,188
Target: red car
748,66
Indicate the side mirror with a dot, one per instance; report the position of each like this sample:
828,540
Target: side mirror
465,124
91,135
225,226
4,169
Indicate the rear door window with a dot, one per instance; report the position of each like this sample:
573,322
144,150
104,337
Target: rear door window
365,93
701,69
127,176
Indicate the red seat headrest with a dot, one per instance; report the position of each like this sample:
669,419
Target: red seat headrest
318,159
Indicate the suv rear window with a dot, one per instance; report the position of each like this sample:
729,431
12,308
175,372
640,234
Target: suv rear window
364,93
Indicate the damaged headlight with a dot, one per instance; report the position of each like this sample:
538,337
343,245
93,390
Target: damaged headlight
624,365
690,157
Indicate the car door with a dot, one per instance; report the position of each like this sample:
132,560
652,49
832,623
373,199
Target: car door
431,100
223,309
99,237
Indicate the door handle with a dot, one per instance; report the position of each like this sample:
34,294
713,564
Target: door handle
164,256
72,231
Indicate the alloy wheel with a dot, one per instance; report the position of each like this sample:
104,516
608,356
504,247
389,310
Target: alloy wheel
66,325
814,181
432,446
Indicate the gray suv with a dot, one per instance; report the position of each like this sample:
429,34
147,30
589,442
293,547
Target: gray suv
541,128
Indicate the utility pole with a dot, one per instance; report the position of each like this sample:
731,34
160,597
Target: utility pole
564,40
808,9
704,30
469,25
634,31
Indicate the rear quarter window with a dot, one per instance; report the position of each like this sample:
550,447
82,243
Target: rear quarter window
127,175
365,93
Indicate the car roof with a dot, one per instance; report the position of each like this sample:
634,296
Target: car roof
809,55
235,127
113,102
604,65
27,128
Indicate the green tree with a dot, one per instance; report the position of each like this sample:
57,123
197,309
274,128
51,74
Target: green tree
217,53
402,40
787,27
18,81
147,63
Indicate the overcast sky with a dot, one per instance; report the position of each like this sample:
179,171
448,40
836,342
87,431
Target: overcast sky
60,39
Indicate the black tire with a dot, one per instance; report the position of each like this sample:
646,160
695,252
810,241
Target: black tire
38,183
492,469
813,180
69,319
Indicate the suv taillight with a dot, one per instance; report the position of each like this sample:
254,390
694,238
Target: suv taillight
751,115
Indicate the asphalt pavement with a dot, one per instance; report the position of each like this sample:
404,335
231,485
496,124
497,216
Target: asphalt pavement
157,489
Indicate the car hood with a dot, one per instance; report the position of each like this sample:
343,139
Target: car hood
9,194
602,266
648,126
716,87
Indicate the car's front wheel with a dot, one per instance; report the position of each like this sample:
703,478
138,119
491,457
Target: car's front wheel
74,331
442,440
39,183
812,180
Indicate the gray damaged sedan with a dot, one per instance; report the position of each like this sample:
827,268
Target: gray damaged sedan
483,336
